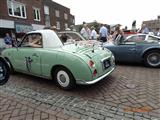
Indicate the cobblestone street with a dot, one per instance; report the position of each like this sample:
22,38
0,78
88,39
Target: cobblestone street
129,93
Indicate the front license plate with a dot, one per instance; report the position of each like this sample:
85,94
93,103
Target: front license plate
106,64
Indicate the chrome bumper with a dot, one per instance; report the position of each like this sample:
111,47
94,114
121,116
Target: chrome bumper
82,82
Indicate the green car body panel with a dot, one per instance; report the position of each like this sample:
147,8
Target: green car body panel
42,61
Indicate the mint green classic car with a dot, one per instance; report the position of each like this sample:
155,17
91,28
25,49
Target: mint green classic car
41,53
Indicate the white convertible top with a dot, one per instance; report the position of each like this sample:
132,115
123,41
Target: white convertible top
49,38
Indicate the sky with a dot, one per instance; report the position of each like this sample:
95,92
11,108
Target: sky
113,11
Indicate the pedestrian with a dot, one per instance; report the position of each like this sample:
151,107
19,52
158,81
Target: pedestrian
93,33
54,28
157,33
103,33
118,35
85,32
8,41
144,29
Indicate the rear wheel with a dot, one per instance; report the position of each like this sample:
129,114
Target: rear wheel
152,58
64,78
4,73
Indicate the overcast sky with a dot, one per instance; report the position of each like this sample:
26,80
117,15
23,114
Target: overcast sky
113,11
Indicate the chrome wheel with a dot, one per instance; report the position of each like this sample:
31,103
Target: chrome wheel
153,59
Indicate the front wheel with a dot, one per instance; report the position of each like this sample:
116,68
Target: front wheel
152,58
64,78
4,73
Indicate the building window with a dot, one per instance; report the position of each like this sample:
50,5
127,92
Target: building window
65,25
65,16
37,14
57,13
46,15
58,25
16,9
46,10
73,21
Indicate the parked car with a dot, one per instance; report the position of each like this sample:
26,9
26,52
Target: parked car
135,48
4,71
41,53
139,48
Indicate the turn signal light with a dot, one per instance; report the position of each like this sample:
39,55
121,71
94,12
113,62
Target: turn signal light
94,72
91,63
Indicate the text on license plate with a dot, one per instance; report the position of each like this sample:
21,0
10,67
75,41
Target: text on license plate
106,64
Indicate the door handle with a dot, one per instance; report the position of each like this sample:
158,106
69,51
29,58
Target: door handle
34,54
132,49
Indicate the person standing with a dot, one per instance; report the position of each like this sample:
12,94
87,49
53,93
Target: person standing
118,35
54,28
103,33
8,41
145,29
85,32
157,33
93,33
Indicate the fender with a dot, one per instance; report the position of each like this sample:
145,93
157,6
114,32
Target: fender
6,62
150,48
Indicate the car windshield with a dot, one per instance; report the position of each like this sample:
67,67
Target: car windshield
70,37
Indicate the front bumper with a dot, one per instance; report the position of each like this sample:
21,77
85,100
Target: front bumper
82,82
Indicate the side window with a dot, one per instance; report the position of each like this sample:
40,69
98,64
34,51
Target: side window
141,38
32,40
137,38
132,39
25,41
152,38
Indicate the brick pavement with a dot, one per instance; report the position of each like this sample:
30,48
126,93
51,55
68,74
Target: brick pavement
12,108
130,92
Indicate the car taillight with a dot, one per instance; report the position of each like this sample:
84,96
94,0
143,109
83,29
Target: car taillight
91,63
94,72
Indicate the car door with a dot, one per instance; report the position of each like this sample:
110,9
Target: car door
27,58
125,52
128,50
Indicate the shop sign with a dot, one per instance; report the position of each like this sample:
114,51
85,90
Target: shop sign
21,28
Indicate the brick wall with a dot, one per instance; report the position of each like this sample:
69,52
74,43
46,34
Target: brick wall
29,11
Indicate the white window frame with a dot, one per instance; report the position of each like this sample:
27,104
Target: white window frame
46,10
37,9
65,16
57,12
58,25
12,3
46,14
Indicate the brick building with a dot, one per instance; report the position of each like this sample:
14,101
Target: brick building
57,15
20,16
153,24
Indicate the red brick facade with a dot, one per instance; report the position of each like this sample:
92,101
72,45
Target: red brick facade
29,11
53,6
11,23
